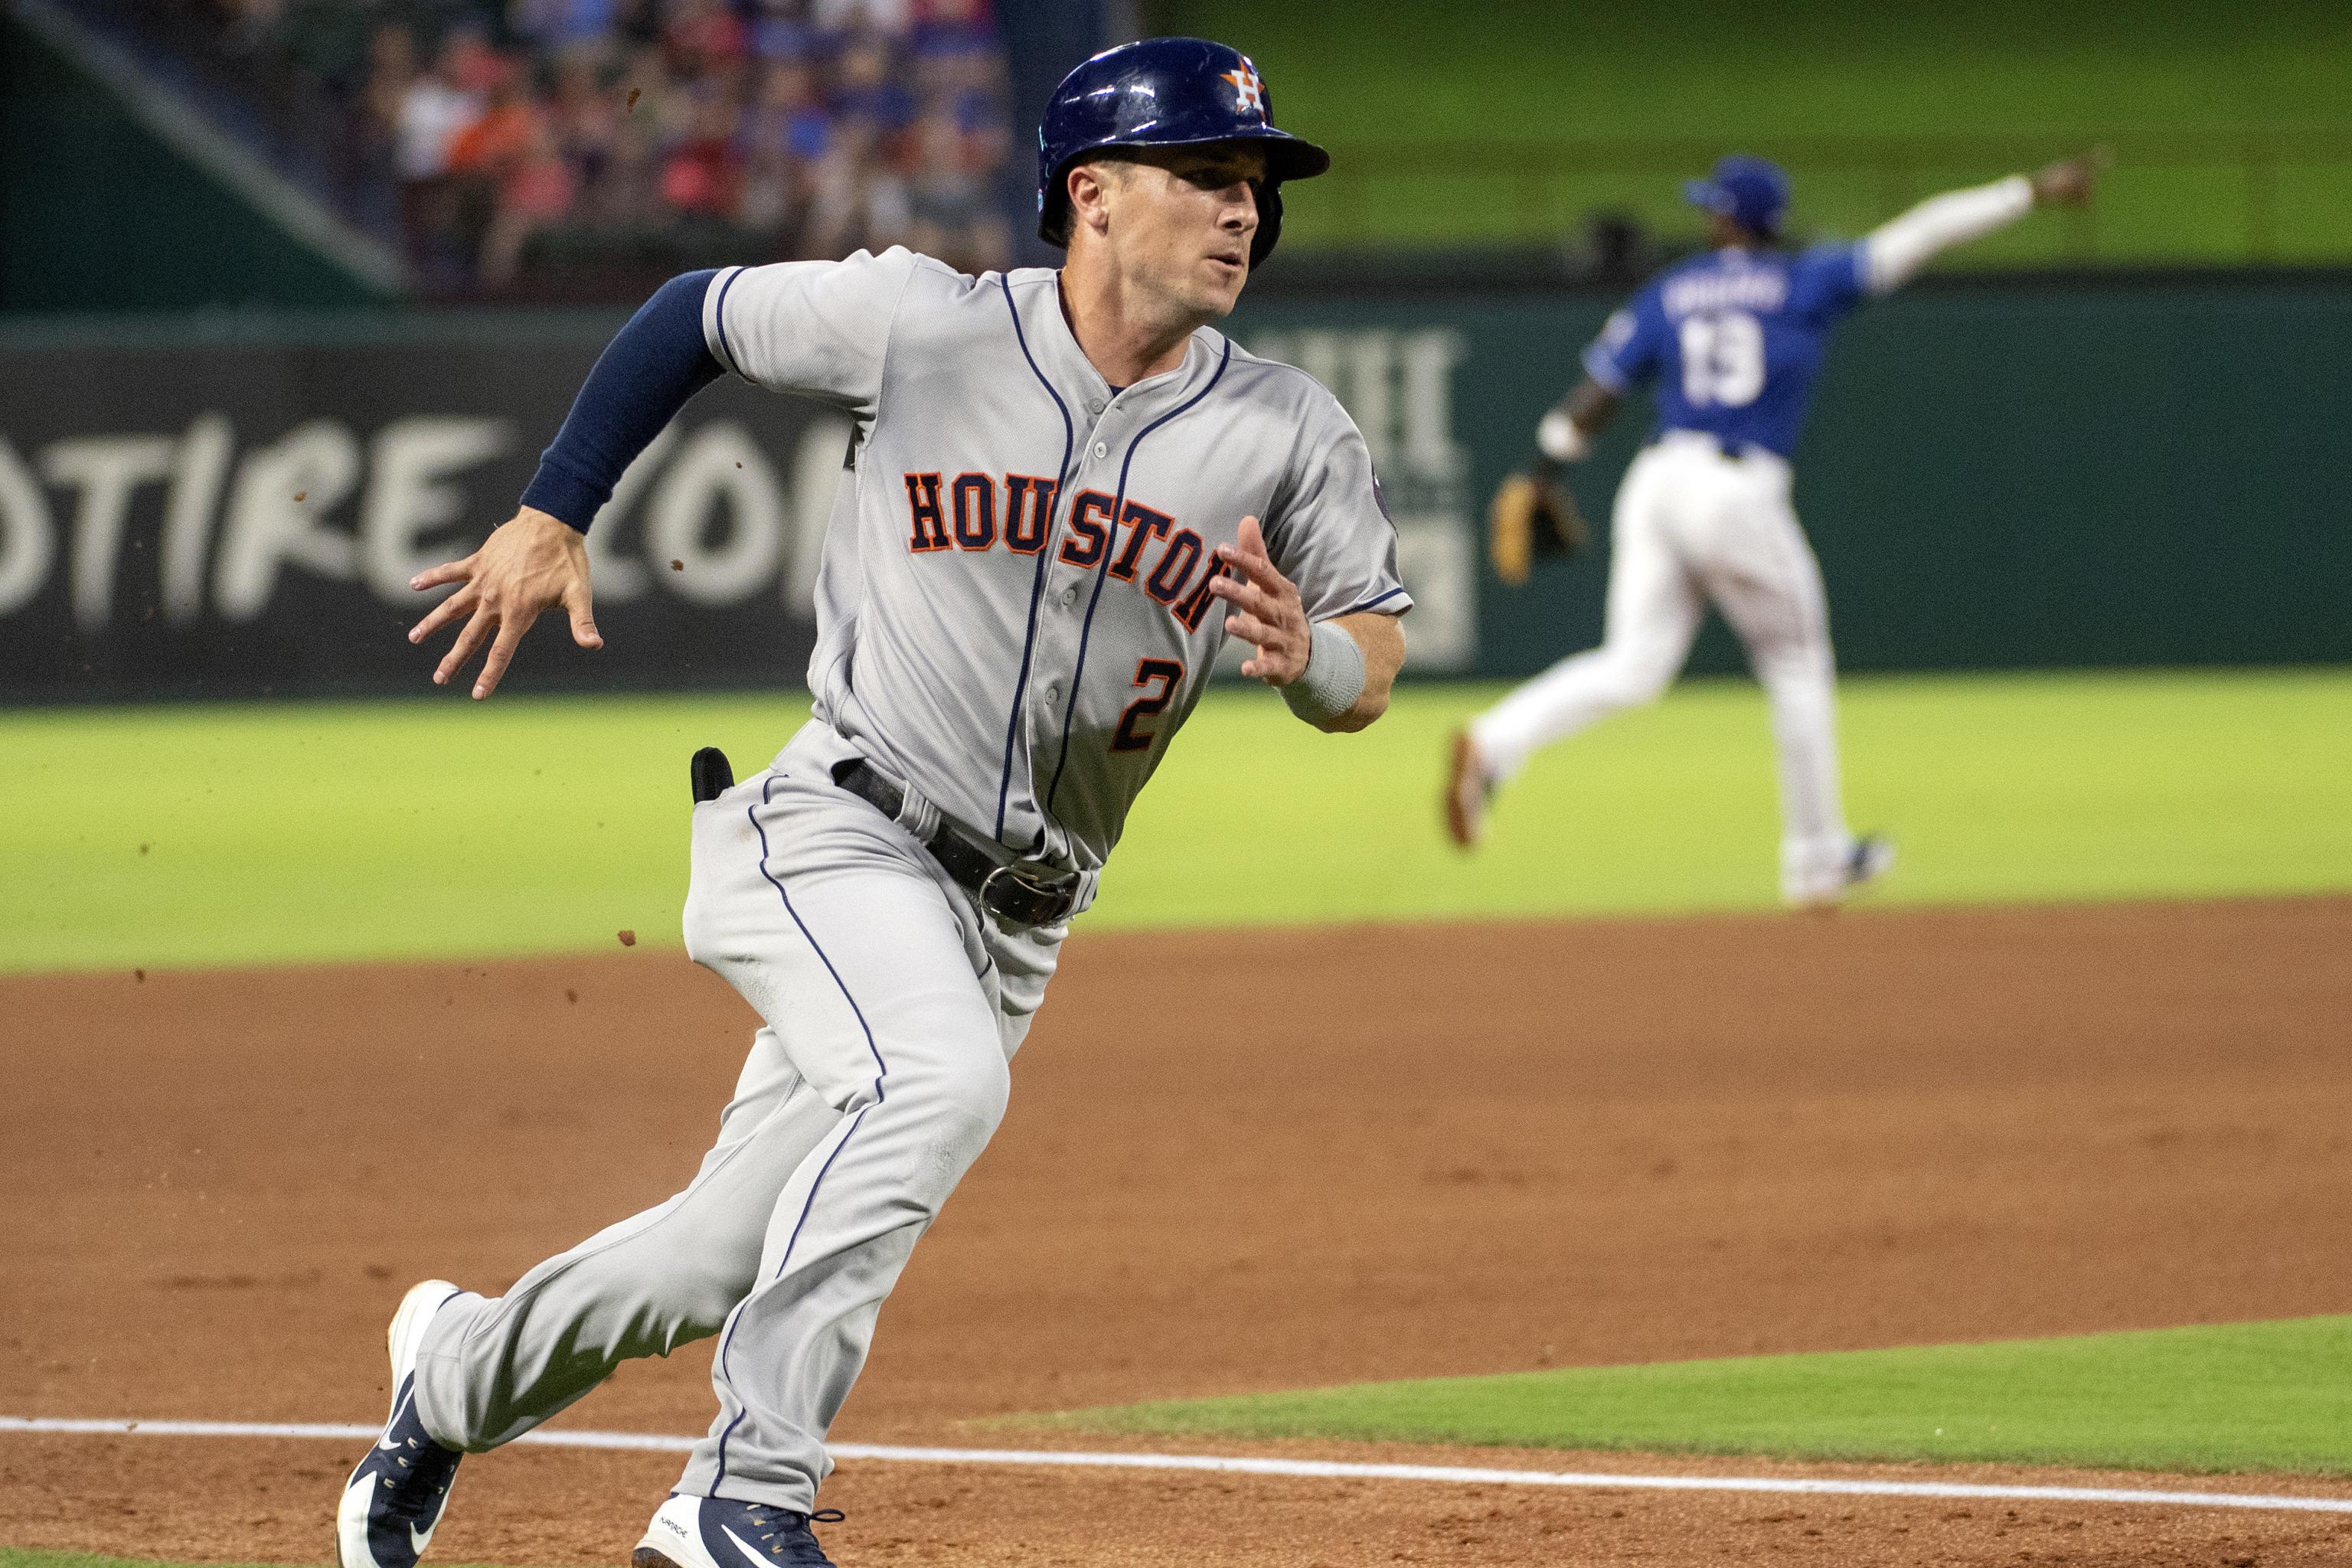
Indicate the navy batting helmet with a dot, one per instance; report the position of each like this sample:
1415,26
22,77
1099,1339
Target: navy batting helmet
1166,92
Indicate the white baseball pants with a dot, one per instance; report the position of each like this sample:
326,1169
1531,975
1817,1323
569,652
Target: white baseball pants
1693,526
892,1010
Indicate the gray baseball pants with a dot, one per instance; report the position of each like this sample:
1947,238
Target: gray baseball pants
892,1009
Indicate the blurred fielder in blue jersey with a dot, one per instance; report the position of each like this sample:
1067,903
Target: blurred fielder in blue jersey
1730,341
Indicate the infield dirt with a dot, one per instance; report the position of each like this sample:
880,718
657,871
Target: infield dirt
1233,1162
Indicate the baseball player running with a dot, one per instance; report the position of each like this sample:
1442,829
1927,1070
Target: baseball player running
1733,340
1067,490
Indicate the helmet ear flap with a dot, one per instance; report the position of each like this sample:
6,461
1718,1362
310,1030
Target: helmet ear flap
1269,223
1054,213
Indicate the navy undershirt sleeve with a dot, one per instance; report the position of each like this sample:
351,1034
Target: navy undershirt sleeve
647,374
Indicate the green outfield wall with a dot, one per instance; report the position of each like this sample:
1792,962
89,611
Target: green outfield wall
1997,475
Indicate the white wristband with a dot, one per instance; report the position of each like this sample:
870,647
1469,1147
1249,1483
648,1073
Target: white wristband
1334,677
1558,437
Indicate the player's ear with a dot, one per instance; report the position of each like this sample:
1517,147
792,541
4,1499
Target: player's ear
1089,185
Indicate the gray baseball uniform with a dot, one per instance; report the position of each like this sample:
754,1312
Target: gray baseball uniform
1014,619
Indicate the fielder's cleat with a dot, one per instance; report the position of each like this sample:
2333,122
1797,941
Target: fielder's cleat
1467,791
395,1499
719,1532
1871,858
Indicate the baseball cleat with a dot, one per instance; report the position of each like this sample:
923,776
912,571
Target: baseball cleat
1871,858
1467,791
720,1532
395,1499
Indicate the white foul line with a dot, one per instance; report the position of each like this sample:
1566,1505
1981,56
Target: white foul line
1318,1469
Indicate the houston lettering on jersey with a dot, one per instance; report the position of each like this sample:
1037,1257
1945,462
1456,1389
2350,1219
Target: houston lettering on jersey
963,514
967,516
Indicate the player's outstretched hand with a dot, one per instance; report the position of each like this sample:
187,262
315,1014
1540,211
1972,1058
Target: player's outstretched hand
1266,611
2068,181
529,566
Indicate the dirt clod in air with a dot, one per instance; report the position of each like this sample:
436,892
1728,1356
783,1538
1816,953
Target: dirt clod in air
629,939
635,93
677,565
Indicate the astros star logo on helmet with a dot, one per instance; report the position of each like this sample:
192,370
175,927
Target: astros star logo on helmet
1246,85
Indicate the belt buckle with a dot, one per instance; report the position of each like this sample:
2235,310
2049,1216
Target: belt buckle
1007,892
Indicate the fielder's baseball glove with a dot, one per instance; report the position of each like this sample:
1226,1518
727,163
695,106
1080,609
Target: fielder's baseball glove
1532,517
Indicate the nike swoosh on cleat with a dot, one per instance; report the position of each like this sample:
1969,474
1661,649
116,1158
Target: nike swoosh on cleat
388,1442
755,1557
418,1540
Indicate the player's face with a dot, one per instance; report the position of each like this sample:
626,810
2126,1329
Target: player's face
1182,221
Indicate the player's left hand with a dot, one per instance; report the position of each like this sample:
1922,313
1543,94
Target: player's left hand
1266,610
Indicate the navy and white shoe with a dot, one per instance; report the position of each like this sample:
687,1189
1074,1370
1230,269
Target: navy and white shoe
395,1499
719,1532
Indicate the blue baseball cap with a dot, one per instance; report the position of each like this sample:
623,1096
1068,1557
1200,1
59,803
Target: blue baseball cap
1750,192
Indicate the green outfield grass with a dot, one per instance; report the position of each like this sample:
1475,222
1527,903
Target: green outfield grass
293,832
2239,1396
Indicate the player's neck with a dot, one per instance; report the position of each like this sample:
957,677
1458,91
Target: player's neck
1124,341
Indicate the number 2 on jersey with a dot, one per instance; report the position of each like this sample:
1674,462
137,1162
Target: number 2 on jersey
1167,674
1723,359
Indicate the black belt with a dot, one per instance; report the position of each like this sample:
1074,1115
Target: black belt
1011,893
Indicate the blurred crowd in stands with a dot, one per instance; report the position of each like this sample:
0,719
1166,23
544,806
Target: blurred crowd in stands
537,140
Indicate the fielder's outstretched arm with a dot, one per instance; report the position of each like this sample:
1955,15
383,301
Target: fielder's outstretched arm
1896,249
1891,256
538,559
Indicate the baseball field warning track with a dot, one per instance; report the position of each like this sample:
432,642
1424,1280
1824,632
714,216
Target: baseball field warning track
1233,1162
